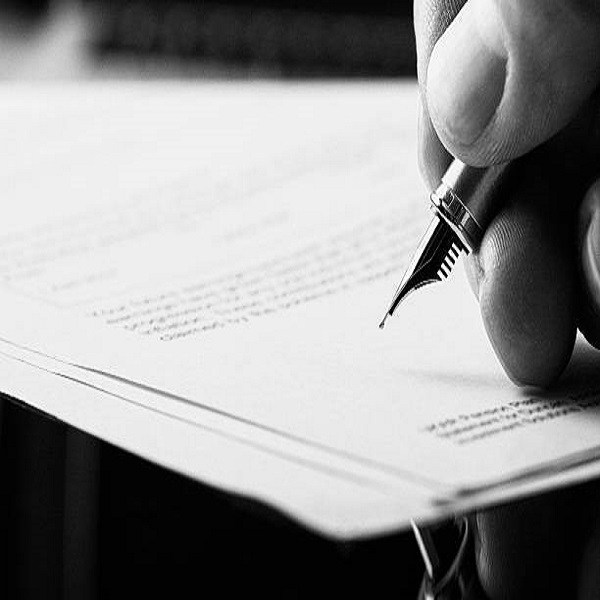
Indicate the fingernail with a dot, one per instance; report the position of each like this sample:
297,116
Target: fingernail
465,79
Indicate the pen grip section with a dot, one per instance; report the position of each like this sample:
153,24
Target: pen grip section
479,189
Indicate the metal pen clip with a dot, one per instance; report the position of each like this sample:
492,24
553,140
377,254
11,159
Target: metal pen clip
450,572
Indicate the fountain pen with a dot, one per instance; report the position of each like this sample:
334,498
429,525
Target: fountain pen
463,205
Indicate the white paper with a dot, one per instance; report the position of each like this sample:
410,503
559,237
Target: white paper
321,499
234,247
238,430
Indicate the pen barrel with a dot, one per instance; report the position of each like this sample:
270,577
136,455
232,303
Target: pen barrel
469,197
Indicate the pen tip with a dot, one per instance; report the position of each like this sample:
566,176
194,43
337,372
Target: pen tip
382,324
435,256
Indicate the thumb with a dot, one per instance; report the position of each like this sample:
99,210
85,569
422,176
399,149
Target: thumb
507,75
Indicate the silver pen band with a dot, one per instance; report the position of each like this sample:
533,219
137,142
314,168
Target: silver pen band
449,207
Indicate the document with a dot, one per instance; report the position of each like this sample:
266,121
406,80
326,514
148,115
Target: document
344,505
215,259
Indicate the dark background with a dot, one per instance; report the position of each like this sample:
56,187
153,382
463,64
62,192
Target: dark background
81,519
240,38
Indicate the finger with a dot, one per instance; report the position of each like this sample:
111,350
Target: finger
433,157
507,75
523,276
589,574
584,134
533,548
589,255
432,17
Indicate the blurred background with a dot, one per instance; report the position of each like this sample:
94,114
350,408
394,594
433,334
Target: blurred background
136,529
82,39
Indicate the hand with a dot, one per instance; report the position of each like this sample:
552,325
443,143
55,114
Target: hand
501,80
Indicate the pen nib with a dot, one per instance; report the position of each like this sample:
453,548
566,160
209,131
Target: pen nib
435,256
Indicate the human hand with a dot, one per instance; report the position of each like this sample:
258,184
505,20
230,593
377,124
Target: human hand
500,80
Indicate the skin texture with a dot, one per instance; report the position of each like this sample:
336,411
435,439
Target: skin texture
529,315
516,80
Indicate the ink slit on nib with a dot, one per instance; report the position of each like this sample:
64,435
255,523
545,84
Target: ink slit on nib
433,261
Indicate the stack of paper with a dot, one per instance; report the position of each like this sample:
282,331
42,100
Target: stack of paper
196,273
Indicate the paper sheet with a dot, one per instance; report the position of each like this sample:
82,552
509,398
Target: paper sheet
233,247
324,500
237,430
347,514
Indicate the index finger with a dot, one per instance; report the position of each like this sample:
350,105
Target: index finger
432,18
